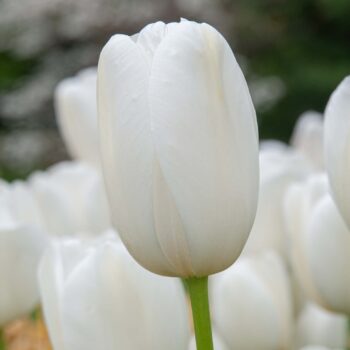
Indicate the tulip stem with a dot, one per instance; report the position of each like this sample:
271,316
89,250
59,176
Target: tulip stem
2,340
198,291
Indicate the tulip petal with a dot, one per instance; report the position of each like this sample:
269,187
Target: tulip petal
20,250
126,306
205,133
328,250
127,149
337,146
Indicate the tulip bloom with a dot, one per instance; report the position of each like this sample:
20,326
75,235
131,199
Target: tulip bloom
307,138
252,304
299,203
316,326
21,247
71,199
179,145
328,251
337,150
280,166
95,296
76,110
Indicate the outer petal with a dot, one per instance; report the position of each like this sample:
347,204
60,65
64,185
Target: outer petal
337,146
328,249
316,326
204,129
127,149
252,306
56,265
111,303
20,250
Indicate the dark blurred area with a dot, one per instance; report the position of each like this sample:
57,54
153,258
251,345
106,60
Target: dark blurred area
293,53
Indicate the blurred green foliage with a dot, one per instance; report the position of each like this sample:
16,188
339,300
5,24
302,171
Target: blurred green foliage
13,70
306,43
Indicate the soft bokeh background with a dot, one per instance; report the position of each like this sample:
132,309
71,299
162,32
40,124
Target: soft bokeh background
294,53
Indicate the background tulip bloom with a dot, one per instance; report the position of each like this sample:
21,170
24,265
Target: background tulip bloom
337,149
21,247
299,204
280,166
307,138
71,198
76,110
252,304
316,326
328,251
95,296
179,143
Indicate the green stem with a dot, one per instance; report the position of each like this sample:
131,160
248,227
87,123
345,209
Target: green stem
198,291
2,340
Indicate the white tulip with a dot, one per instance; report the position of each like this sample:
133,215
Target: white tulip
316,326
299,203
307,138
179,147
280,166
76,109
317,347
21,247
95,296
328,251
217,342
251,304
337,150
71,198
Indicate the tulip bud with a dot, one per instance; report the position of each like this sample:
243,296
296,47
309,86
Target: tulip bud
95,296
71,198
251,304
279,167
76,110
337,150
316,326
299,203
307,138
328,251
179,147
20,250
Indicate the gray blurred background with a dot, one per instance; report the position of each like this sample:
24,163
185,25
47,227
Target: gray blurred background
293,53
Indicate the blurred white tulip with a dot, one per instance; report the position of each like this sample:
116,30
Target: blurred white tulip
280,166
337,150
179,146
21,247
251,304
328,251
71,198
307,138
316,326
318,347
217,341
299,203
95,296
76,110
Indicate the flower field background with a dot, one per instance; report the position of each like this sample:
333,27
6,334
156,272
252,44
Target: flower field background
293,54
